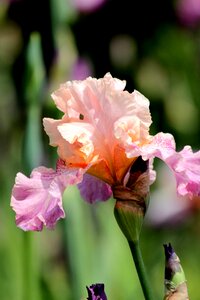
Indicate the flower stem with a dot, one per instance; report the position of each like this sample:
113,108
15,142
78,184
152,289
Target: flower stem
31,272
139,264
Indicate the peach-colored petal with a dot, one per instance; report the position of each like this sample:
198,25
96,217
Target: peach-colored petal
99,118
78,135
134,127
69,138
122,162
51,128
101,170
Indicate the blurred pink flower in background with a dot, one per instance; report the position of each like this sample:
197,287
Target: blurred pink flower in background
87,5
165,208
81,69
188,12
104,129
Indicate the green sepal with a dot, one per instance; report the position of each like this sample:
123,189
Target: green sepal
130,218
132,199
177,279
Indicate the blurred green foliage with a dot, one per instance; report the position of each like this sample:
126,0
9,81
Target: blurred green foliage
88,247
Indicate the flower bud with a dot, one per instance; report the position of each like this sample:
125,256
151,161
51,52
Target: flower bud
132,200
175,281
96,292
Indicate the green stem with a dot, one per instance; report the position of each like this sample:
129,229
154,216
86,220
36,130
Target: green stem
31,280
139,264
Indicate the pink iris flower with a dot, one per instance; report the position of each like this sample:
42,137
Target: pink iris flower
104,129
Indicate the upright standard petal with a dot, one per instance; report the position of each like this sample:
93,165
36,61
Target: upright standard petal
99,120
37,201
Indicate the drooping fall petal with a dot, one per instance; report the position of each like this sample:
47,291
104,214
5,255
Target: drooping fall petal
37,201
184,164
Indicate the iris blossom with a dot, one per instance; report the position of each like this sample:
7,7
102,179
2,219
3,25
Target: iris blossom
102,132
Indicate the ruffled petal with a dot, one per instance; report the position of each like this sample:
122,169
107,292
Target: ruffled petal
134,127
37,201
92,189
78,135
99,117
185,164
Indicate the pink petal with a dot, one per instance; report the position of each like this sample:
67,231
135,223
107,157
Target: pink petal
37,201
152,172
92,189
162,146
185,164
